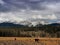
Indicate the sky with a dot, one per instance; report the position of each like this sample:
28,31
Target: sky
45,11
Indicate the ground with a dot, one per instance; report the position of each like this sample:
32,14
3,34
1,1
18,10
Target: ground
29,41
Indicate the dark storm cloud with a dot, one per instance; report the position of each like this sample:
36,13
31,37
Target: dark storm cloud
25,4
30,9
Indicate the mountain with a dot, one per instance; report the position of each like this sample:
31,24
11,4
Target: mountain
54,24
6,24
26,23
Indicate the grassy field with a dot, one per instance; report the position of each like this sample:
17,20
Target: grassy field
29,41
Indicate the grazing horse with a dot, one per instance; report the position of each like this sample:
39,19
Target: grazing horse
15,39
36,40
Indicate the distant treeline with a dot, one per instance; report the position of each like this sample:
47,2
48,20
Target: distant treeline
42,31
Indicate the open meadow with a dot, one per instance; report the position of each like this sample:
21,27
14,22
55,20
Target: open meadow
28,41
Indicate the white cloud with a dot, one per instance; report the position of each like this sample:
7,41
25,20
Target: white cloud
2,2
24,15
52,7
11,17
51,17
37,17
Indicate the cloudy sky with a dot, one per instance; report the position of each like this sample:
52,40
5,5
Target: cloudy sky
30,10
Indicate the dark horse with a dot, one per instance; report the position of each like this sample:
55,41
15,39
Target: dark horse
36,40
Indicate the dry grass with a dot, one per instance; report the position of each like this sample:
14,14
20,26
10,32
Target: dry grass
28,41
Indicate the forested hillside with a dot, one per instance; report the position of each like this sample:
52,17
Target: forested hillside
51,30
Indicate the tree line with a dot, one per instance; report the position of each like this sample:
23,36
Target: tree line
41,31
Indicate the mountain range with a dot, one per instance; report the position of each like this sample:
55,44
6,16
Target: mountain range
7,24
